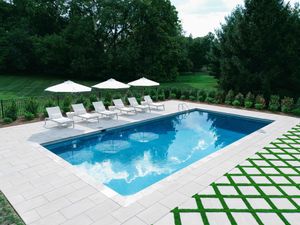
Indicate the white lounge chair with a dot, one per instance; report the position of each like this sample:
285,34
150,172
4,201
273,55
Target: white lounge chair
149,102
56,116
100,108
133,102
81,112
122,108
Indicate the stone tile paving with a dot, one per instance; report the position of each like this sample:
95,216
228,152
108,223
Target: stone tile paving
265,189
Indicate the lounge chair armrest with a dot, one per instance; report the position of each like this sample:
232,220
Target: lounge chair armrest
70,115
111,108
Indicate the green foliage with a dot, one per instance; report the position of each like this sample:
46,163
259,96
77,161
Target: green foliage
274,103
287,104
238,100
257,49
192,98
182,97
296,111
66,107
210,98
249,100
31,106
85,101
219,98
49,103
11,111
29,116
229,97
260,102
202,95
7,120
90,39
172,96
161,97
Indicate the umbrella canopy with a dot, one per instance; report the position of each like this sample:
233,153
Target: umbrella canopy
111,84
143,82
68,87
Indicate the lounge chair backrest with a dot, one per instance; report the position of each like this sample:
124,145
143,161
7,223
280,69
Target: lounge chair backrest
79,109
133,101
54,112
99,107
118,103
148,99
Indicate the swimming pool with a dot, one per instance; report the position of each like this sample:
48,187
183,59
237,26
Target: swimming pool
130,158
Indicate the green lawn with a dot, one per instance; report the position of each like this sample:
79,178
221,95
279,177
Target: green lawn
12,86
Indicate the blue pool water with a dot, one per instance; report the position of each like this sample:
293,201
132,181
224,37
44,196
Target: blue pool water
131,158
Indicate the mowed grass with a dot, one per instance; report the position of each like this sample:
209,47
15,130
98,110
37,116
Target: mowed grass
12,86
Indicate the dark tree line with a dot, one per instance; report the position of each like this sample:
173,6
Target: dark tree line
93,39
258,49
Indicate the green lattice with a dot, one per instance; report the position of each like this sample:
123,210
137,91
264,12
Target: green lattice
271,178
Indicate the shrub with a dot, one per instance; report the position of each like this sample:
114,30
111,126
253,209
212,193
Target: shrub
249,100
66,107
202,96
82,100
161,97
219,98
32,106
260,102
192,98
167,93
297,105
49,103
29,116
229,97
210,98
93,98
172,96
11,111
287,104
7,120
274,103
182,97
296,111
238,100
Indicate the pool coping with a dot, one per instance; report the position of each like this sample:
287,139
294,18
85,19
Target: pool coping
150,205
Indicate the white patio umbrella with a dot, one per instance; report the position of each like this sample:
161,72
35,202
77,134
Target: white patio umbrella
143,82
111,84
68,87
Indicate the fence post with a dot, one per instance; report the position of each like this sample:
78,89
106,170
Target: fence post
2,108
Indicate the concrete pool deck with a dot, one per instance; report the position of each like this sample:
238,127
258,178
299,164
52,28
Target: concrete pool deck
44,189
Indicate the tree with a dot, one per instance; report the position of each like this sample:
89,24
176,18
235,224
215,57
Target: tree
257,49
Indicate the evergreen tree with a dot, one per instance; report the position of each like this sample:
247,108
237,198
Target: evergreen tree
258,49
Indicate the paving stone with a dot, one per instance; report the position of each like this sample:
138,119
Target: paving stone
244,219
235,203
270,190
211,203
282,203
258,203
191,219
270,218
77,208
292,218
218,218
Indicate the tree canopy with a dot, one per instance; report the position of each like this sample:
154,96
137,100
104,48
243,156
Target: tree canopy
90,38
258,47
